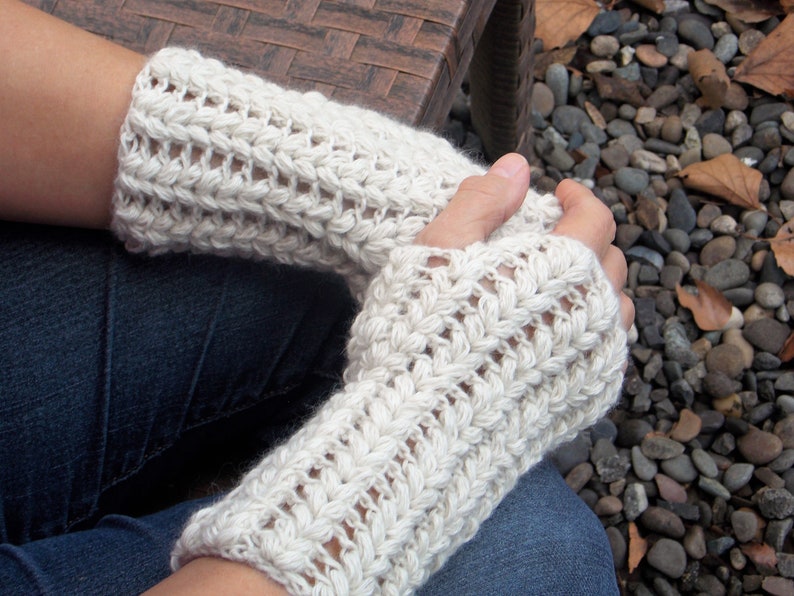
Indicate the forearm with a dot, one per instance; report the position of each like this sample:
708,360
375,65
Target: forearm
64,96
449,398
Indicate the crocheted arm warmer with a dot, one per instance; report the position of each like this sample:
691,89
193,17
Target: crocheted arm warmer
214,160
461,376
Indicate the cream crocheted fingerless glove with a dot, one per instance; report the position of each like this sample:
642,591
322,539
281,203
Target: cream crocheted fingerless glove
213,160
461,377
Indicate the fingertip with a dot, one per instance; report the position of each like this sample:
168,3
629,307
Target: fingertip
509,165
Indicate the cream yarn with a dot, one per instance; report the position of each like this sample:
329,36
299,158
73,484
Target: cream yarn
461,377
214,160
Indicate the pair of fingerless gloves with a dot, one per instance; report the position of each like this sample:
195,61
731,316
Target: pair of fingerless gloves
465,366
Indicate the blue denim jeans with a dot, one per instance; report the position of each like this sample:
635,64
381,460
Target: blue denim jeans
128,381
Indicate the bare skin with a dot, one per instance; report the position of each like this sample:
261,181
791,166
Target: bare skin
64,97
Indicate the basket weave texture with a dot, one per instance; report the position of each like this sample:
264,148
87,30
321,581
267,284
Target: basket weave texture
406,58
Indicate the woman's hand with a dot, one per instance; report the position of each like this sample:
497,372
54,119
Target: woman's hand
481,205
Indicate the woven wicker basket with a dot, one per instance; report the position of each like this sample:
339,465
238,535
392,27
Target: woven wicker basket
403,57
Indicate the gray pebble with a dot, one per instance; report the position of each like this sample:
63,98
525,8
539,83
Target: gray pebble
710,121
737,476
631,180
715,145
672,129
704,463
571,454
644,468
775,503
648,161
712,487
663,521
726,47
661,448
785,383
663,147
680,214
605,22
557,80
744,524
765,334
615,156
618,546
767,138
645,255
630,72
787,186
720,546
730,273
777,531
696,33
618,127
768,112
667,556
635,501
677,346
695,542
754,222
769,295
568,119
680,468
667,44
606,46
663,96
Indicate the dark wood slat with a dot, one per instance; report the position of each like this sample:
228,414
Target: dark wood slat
406,58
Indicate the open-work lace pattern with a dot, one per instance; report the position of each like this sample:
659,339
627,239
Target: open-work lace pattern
466,368
215,160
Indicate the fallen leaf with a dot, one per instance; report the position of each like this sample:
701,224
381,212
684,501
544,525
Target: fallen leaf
727,177
638,546
770,66
656,6
787,351
710,307
543,60
762,555
709,76
783,247
620,90
561,21
595,115
749,11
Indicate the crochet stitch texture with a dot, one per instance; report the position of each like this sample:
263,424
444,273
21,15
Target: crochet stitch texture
217,161
465,366
461,377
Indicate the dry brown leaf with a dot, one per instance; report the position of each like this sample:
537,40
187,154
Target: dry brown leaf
749,11
595,115
787,351
638,546
710,308
561,21
621,90
726,177
543,60
709,76
656,6
770,66
783,247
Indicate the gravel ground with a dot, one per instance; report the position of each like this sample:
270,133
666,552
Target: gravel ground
697,461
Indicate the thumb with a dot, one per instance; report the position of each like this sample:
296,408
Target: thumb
480,206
